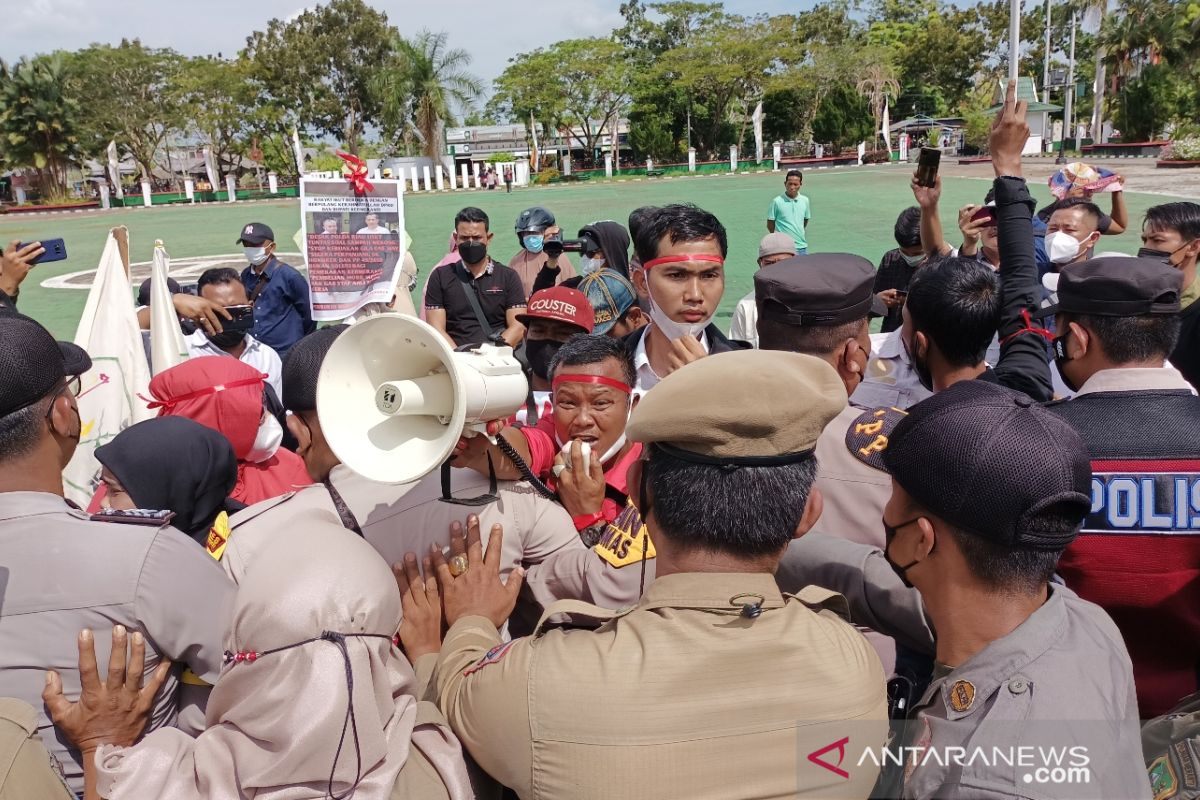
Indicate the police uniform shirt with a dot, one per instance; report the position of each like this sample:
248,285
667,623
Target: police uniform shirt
64,572
680,697
26,769
1061,679
398,519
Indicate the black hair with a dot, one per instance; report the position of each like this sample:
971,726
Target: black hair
21,430
217,276
1089,208
584,349
990,196
1012,571
472,214
956,303
1184,218
1129,340
637,218
813,340
794,173
682,222
908,227
746,512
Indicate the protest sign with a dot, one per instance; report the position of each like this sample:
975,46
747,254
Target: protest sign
354,244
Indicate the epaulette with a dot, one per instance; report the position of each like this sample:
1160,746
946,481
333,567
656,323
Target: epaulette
867,437
134,516
263,507
819,599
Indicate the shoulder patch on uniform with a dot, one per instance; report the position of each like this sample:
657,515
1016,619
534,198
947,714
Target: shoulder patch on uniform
867,437
134,516
620,547
218,536
490,657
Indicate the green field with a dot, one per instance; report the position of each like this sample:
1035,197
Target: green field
853,211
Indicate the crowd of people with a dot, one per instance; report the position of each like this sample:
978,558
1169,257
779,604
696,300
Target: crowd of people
795,560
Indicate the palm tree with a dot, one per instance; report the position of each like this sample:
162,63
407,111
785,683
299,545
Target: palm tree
422,86
877,82
38,122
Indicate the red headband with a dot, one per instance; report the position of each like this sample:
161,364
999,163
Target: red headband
171,402
600,379
654,262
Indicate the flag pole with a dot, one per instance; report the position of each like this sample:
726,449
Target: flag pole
1014,39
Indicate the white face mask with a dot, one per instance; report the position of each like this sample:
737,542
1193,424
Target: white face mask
267,440
670,328
255,255
912,261
590,265
1061,247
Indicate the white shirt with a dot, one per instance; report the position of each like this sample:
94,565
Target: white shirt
891,379
745,321
647,378
1133,379
258,355
373,230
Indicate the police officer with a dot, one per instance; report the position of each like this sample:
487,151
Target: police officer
975,527
66,572
1138,555
393,518
713,667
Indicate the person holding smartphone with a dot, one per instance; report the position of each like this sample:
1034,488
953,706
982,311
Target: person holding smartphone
223,287
15,262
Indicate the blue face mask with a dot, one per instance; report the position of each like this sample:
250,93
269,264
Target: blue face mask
533,243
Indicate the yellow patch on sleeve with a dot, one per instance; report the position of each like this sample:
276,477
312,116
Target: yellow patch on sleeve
620,548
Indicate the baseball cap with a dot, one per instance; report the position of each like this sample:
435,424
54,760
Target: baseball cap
1117,286
255,234
32,363
820,289
534,219
561,304
611,295
993,462
302,365
745,408
775,243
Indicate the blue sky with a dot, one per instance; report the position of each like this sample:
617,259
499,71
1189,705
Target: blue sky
198,27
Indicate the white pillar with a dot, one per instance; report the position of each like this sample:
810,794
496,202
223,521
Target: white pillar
521,173
691,159
820,150
478,180
412,174
733,158
19,191
608,165
189,188
453,181
273,182
777,154
104,200
437,174
862,150
466,175
231,188
566,164
146,193
649,165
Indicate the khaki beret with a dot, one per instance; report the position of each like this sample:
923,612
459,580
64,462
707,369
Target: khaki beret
747,408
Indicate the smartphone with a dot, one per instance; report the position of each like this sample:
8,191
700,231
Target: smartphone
56,250
927,166
986,213
901,296
241,318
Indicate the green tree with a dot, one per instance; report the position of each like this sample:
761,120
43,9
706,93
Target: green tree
219,102
876,81
420,87
322,64
843,118
38,120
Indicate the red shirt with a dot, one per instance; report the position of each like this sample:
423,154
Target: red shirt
543,449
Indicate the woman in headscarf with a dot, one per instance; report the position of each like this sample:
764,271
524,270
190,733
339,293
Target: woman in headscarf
173,464
227,395
314,699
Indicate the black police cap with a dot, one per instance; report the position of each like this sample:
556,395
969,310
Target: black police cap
32,364
302,366
993,462
1115,286
819,289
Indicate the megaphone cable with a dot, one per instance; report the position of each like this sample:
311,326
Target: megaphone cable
524,469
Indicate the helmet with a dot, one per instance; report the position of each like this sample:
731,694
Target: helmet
534,219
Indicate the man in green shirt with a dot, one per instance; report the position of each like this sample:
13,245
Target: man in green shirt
790,212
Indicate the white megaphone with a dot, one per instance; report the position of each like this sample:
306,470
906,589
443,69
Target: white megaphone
393,397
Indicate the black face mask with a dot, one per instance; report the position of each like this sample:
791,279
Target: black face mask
1061,358
226,340
540,353
472,252
1161,255
889,533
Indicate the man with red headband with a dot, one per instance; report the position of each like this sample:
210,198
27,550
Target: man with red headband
682,250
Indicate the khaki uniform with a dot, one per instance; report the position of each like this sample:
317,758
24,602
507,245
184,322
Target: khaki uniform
60,572
1062,679
26,770
402,518
679,697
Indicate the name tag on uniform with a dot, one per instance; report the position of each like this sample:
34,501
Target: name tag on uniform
1147,497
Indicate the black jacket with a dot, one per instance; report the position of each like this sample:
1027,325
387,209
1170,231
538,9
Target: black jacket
1023,364
1186,357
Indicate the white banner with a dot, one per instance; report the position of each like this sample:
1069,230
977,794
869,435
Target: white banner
758,132
114,169
298,151
108,400
211,169
887,123
167,347
354,244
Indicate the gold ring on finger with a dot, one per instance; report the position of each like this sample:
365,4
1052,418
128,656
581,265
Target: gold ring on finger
458,565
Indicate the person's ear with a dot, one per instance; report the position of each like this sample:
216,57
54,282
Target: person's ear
1079,342
639,278
926,538
489,236
920,345
634,403
62,418
635,317
298,428
812,512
